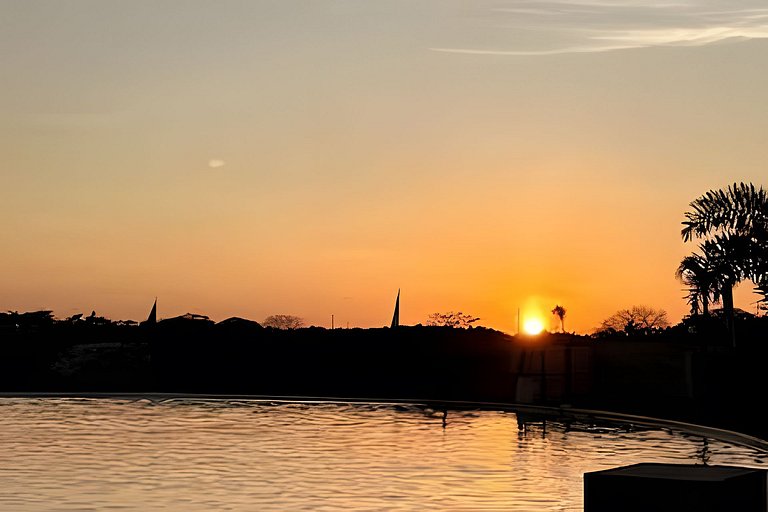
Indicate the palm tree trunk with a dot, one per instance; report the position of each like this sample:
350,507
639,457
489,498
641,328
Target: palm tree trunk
705,305
729,314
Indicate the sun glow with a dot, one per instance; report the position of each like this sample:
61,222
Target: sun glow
533,326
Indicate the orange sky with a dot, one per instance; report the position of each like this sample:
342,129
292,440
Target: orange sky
312,158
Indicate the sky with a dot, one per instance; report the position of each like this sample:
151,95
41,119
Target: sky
249,158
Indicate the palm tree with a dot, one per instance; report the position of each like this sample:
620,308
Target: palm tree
697,274
762,288
733,225
739,209
560,312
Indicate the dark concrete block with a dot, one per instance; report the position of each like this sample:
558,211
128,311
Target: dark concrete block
676,488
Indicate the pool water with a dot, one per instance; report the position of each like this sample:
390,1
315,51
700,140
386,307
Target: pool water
69,454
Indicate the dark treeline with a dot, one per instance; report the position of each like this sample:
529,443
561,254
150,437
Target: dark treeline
193,354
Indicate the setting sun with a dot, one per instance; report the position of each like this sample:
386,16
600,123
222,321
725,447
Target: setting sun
533,326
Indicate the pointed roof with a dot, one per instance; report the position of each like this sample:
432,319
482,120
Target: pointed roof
396,316
152,318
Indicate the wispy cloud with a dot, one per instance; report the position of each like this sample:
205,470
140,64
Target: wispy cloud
216,163
551,27
583,49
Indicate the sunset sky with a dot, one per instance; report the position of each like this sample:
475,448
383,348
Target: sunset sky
248,158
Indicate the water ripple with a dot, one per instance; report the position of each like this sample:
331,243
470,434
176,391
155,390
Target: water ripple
192,455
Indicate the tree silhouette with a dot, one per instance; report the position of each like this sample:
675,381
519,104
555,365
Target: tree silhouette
451,319
283,322
559,311
762,288
635,320
698,274
732,224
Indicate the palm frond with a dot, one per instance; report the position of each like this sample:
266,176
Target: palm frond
739,208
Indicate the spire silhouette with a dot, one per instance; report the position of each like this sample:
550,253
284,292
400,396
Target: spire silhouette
152,318
396,316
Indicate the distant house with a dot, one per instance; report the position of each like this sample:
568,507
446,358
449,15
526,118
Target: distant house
238,328
186,320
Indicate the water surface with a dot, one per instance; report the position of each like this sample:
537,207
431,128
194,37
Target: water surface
192,455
